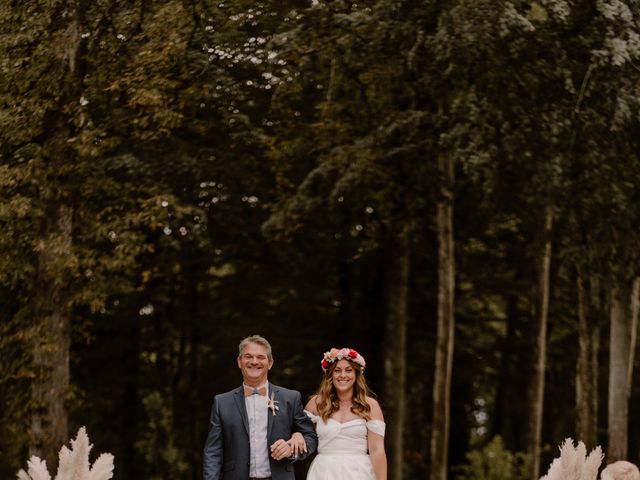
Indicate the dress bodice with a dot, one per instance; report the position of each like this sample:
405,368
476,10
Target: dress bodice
346,438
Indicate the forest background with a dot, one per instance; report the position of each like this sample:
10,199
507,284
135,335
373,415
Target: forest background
450,187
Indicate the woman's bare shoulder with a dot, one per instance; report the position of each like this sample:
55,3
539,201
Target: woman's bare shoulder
376,410
312,405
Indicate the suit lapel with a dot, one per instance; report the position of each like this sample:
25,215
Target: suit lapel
238,396
273,390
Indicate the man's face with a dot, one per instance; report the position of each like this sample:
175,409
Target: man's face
254,364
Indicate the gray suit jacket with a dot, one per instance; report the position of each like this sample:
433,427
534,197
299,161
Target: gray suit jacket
227,451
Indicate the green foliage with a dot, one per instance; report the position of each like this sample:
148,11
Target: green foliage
493,462
165,460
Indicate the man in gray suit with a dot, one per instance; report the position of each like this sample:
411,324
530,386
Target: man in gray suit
251,425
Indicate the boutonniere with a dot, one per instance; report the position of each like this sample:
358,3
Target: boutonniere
273,404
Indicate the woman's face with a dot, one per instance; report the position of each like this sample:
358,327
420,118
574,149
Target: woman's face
344,376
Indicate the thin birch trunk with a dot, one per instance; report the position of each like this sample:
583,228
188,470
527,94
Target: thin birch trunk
536,385
624,317
587,365
446,323
395,365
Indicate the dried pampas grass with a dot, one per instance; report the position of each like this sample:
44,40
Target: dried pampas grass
574,463
74,463
620,470
37,470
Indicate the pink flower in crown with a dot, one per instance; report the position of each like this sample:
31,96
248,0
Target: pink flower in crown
335,354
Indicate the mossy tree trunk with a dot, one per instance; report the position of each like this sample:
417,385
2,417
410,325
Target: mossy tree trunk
56,262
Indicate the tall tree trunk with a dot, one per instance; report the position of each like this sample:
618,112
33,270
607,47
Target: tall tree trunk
49,429
587,366
624,318
540,313
445,335
395,365
56,261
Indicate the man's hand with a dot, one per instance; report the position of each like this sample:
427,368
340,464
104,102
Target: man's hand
281,449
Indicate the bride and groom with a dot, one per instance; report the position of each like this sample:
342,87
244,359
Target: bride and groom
259,430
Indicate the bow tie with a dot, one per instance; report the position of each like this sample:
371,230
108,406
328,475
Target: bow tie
248,391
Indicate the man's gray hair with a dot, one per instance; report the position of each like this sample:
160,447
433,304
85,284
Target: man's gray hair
260,340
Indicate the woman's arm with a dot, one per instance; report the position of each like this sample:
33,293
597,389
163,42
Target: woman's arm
376,443
304,425
297,440
312,405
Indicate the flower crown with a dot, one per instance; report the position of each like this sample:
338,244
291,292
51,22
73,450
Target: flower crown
335,355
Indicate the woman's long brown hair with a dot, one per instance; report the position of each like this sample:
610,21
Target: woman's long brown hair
327,398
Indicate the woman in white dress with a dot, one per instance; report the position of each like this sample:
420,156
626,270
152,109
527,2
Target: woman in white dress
349,422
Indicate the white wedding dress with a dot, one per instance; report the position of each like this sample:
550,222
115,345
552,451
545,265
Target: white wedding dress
342,449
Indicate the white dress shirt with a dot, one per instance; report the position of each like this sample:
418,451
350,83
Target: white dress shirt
257,414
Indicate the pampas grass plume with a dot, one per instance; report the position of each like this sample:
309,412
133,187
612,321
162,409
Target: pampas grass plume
102,468
80,464
621,470
568,459
73,463
592,464
574,463
581,457
65,463
37,470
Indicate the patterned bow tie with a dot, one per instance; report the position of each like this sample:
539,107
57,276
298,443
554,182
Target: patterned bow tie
248,391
